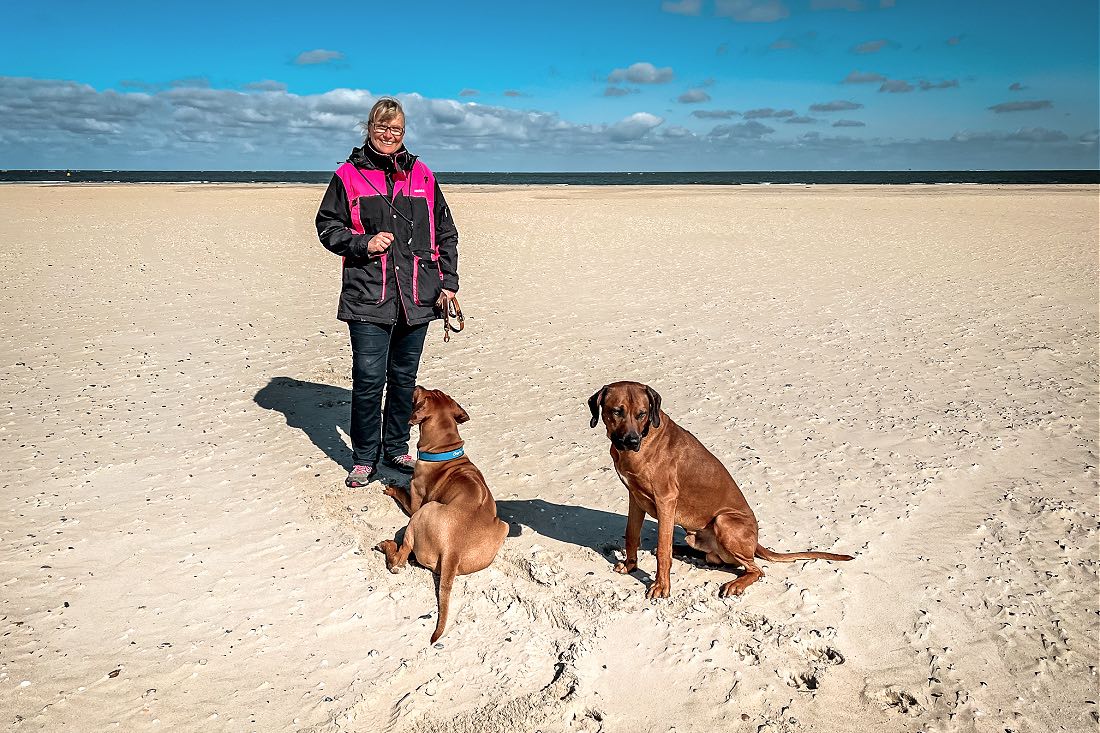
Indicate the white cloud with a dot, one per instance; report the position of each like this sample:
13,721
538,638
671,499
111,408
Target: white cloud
837,105
766,112
318,56
266,85
752,130
896,86
642,72
714,114
633,127
751,11
675,132
849,5
693,96
859,77
926,85
683,7
1023,134
1029,106
871,46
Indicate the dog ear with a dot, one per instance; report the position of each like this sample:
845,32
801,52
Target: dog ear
460,414
418,416
654,406
594,404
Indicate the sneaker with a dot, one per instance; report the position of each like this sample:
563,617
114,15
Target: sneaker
359,476
405,463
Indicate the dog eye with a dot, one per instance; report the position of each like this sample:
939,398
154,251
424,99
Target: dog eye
641,415
618,412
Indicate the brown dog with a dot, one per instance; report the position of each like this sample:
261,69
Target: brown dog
671,476
454,528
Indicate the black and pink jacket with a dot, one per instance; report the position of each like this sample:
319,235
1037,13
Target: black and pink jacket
374,193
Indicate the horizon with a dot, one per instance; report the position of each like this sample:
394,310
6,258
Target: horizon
619,86
563,172
326,171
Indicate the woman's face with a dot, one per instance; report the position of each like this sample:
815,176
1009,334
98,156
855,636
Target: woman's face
386,135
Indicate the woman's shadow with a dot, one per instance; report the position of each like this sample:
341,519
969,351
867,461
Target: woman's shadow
317,410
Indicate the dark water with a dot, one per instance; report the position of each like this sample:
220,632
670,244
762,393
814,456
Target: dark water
723,178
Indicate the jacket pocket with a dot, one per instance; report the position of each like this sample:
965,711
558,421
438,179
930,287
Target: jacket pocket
366,212
365,281
427,279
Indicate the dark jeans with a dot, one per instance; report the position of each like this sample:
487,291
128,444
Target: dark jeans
382,356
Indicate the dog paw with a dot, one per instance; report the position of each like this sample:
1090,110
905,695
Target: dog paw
389,491
625,567
386,547
657,590
731,588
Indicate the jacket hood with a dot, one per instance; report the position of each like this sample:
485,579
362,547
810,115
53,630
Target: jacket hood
366,156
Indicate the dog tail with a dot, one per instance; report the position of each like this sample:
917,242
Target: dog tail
765,554
448,569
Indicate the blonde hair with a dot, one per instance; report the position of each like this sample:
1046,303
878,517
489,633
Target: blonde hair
383,110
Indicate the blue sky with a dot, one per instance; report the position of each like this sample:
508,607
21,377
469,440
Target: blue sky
616,85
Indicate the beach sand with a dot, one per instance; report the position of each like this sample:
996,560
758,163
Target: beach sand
907,374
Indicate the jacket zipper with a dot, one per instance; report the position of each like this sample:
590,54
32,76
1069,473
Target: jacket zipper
396,270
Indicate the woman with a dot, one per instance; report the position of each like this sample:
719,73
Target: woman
384,214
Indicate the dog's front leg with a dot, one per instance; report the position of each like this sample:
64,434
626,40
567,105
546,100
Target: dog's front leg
402,497
666,522
634,519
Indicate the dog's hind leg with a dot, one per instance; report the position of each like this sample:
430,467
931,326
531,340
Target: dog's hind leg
705,543
737,543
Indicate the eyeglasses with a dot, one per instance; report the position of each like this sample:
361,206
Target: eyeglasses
395,131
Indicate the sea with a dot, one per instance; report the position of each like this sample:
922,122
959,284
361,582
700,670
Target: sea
641,178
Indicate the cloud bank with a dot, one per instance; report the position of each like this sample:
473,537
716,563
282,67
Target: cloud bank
63,124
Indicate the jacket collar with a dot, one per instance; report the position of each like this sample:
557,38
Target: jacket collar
367,157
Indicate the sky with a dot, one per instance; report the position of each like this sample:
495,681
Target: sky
600,85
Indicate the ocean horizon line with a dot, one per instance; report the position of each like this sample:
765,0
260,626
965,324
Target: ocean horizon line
733,177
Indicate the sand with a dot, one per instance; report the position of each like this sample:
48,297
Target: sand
908,374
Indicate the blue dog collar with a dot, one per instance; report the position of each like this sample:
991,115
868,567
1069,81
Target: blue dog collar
439,457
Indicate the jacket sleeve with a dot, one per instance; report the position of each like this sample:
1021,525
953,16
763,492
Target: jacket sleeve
334,223
446,239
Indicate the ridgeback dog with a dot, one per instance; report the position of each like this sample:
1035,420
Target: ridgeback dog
671,476
454,529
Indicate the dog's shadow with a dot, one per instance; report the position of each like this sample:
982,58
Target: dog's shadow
591,528
317,409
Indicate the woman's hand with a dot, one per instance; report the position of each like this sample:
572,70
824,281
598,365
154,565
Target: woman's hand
379,243
444,298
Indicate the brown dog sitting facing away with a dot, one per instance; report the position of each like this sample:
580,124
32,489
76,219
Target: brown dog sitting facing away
671,476
454,529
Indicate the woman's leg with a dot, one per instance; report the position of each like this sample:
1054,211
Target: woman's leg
370,347
406,346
